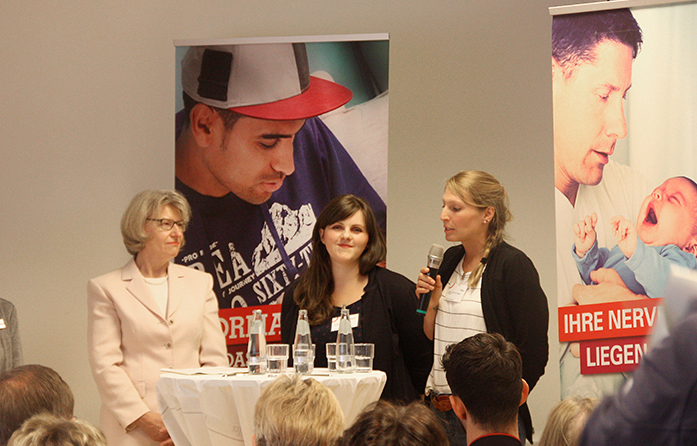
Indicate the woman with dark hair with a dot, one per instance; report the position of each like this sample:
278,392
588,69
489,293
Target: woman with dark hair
485,285
347,244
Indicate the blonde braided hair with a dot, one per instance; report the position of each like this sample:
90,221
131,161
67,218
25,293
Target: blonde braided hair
482,190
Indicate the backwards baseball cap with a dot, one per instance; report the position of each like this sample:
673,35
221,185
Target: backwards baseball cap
264,80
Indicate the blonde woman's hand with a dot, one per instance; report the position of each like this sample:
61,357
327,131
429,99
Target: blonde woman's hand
425,284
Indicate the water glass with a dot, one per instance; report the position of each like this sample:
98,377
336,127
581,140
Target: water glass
364,357
331,357
277,358
345,358
304,360
256,365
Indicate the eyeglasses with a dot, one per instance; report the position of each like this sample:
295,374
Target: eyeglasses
167,223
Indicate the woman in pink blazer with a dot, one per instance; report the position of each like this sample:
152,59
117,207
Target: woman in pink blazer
147,315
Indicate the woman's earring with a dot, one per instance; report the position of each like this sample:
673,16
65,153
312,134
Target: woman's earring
486,221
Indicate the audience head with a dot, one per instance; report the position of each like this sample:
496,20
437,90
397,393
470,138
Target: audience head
567,420
148,204
28,390
386,424
485,373
297,412
49,430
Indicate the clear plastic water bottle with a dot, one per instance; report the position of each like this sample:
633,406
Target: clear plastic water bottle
256,348
303,355
345,356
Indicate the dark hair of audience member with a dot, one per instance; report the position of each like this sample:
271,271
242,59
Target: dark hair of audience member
388,424
28,390
495,365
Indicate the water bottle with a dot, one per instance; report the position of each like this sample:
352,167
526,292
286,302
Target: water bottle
256,348
345,359
303,356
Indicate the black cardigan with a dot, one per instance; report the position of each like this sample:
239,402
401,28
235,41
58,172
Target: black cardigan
390,321
514,306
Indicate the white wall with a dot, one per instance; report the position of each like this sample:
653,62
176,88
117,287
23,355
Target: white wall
86,92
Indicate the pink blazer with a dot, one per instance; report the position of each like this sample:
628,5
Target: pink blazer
130,339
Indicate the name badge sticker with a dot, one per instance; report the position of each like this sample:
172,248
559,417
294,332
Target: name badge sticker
2,324
352,317
456,292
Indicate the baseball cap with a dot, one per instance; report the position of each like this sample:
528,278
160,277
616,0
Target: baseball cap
261,80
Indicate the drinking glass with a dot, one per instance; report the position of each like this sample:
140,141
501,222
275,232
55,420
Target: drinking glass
345,359
277,358
364,357
304,360
331,357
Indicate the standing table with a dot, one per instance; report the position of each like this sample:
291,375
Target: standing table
214,406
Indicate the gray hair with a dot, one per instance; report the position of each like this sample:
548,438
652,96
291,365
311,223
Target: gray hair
148,204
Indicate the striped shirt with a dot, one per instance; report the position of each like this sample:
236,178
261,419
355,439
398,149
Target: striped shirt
459,316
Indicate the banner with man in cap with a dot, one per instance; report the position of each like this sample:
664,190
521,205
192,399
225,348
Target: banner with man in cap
257,165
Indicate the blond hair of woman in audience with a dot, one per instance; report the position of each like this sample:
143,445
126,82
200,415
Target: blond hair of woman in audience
292,411
567,420
49,430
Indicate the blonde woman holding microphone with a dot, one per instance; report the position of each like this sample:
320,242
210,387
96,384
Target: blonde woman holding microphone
485,285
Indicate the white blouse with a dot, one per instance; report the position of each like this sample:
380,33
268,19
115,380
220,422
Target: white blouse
459,316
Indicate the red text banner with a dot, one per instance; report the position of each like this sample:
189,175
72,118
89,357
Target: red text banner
607,320
612,355
235,323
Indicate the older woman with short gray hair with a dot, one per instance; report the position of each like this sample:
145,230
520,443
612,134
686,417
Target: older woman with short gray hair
148,315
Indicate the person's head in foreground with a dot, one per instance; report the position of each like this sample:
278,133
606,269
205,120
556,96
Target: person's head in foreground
297,412
567,420
387,424
28,390
49,430
485,374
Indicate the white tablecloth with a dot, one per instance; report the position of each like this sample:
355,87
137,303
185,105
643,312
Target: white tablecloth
218,409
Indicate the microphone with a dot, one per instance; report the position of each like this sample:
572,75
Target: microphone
435,257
